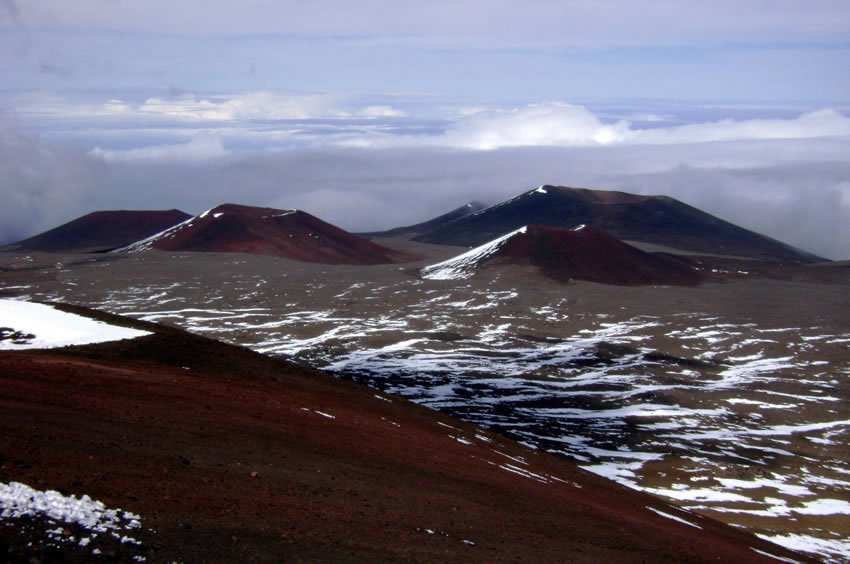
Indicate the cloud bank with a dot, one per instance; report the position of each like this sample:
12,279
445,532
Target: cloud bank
212,109
41,182
560,124
255,105
201,147
289,122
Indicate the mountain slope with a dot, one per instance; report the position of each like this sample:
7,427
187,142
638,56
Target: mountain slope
292,234
225,455
583,253
418,229
100,231
658,220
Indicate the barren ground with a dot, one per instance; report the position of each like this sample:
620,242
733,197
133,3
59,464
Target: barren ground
226,455
731,399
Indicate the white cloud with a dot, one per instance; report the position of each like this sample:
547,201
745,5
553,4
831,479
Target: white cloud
246,120
43,104
252,105
259,119
186,107
114,106
649,118
804,204
380,112
554,123
202,147
560,124
246,106
41,182
821,123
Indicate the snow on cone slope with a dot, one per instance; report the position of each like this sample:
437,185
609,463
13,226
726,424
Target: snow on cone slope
463,266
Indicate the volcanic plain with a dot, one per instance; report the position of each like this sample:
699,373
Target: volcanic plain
729,399
222,454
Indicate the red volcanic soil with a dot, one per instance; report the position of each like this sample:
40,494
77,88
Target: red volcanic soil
101,231
293,234
231,456
589,254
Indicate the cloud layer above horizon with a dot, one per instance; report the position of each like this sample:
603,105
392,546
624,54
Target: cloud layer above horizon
366,169
284,121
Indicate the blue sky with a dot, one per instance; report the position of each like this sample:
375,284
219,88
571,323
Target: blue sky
406,104
490,51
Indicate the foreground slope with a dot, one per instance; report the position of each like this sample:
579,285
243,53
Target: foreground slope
222,454
293,234
100,231
659,220
583,253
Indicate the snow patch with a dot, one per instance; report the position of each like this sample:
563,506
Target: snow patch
462,266
19,500
779,558
831,550
40,326
284,214
673,517
825,506
147,244
524,473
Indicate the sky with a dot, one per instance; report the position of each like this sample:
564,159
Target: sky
376,113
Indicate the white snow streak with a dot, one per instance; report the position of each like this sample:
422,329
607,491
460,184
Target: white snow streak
462,266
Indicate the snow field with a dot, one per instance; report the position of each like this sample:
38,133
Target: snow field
41,326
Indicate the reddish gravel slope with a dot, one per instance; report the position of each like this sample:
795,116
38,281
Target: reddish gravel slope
583,253
292,234
230,456
590,254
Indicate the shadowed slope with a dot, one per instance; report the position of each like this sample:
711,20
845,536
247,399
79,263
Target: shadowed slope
651,219
418,229
101,231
